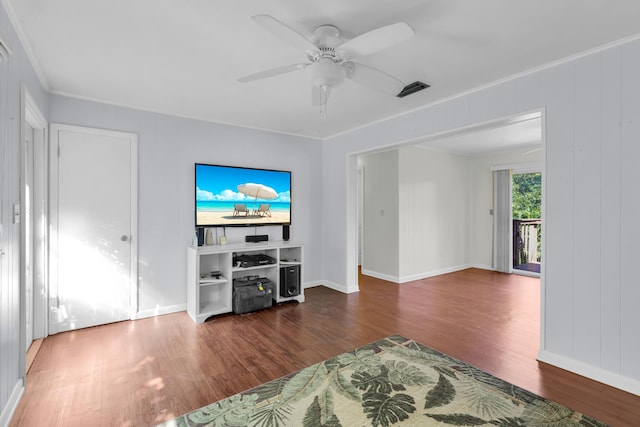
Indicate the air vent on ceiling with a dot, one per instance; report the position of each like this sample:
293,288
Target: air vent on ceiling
412,88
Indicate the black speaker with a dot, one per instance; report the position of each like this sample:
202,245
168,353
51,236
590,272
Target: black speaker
256,238
289,281
200,236
285,232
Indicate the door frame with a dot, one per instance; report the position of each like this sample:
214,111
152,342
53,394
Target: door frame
518,170
55,129
31,116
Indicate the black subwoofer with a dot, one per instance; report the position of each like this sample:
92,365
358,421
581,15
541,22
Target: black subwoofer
289,281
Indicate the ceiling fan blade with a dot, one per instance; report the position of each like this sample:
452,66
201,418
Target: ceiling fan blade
375,79
320,96
272,72
377,39
284,32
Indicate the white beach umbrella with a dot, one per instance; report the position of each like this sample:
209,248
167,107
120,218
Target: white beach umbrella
257,191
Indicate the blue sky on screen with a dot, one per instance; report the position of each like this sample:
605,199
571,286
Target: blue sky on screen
220,183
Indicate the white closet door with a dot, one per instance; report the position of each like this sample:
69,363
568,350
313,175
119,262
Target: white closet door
94,256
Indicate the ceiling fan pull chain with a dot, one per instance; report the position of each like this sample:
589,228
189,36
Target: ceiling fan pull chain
323,100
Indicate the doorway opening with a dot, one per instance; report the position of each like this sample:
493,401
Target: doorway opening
526,206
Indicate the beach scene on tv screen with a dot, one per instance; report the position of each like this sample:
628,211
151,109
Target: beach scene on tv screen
238,196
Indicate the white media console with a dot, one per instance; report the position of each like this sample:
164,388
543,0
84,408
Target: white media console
208,296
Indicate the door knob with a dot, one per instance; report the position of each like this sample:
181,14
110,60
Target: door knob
124,238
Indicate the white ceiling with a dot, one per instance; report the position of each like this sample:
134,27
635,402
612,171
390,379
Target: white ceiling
183,57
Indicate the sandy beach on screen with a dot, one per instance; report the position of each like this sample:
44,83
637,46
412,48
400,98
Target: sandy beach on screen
223,218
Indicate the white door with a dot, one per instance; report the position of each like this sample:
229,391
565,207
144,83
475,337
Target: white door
94,252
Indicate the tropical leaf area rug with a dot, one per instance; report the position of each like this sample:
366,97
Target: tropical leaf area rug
394,381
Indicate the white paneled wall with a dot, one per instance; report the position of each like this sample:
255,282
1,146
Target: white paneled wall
15,74
586,195
591,292
610,210
630,214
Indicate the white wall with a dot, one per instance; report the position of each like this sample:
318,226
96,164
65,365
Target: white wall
482,197
14,72
417,210
592,115
168,148
441,220
380,216
434,211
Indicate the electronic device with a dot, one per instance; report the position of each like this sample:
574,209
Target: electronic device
228,196
285,232
200,236
245,261
290,281
256,238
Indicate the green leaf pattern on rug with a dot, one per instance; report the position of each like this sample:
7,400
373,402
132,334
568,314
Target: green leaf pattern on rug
303,384
343,386
400,372
375,383
270,415
320,412
232,412
385,410
550,414
361,361
458,419
482,399
381,384
442,394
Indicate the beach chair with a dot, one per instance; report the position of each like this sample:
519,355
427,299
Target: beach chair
239,208
263,210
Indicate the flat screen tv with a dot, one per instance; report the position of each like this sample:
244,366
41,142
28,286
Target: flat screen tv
228,196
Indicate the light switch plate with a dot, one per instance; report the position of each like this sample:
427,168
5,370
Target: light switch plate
16,213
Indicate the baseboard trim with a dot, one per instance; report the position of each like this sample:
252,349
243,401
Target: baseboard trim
12,403
597,374
338,287
483,267
411,278
381,276
159,311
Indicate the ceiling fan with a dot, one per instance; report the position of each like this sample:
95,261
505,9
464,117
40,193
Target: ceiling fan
330,58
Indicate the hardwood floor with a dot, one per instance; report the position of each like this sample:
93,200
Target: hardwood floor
142,372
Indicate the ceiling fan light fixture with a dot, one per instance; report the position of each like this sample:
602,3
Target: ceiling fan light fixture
326,72
330,57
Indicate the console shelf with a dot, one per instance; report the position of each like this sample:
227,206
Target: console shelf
255,267
207,282
208,296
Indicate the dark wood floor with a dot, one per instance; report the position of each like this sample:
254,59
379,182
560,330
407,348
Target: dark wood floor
143,372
